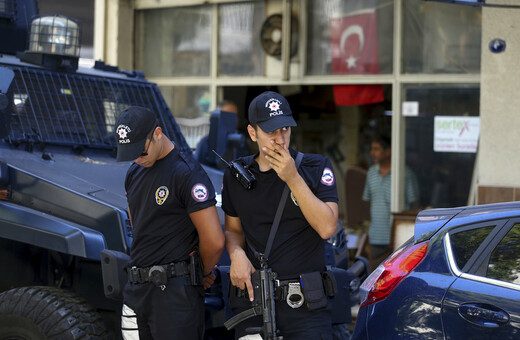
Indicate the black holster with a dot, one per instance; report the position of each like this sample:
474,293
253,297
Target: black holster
195,268
329,283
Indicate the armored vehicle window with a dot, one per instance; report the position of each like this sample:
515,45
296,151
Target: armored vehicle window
80,109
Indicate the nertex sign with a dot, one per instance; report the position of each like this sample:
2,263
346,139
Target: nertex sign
456,134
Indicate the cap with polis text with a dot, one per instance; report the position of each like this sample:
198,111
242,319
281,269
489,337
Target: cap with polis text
270,111
132,128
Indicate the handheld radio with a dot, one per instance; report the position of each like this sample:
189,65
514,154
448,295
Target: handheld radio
240,172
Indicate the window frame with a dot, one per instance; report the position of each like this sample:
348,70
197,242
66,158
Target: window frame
473,268
496,224
481,265
296,75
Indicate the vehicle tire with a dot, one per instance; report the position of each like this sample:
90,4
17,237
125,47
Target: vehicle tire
38,313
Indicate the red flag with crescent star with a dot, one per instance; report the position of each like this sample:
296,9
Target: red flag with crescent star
353,41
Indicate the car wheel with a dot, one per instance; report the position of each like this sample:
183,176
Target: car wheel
35,313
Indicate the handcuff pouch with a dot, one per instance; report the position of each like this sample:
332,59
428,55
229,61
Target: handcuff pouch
312,286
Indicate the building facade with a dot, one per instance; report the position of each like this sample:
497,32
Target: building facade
431,74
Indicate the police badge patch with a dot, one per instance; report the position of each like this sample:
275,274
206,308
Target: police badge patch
122,131
327,177
161,194
199,192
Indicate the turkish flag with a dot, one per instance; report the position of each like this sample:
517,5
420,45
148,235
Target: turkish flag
353,41
349,95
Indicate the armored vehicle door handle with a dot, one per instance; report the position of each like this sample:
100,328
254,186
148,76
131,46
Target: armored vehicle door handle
484,315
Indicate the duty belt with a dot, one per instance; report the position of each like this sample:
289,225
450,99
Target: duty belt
142,275
284,290
289,291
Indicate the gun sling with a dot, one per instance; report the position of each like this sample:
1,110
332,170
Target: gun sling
278,215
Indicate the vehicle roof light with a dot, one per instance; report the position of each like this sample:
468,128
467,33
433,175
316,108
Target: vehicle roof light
54,35
390,273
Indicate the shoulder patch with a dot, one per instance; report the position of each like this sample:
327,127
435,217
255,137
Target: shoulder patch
199,192
161,194
327,178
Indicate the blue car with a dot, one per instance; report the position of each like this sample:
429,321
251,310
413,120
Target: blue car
458,277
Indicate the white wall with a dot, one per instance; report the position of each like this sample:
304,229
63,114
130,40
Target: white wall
114,33
499,150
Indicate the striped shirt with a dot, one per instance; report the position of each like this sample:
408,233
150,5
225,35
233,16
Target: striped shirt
378,192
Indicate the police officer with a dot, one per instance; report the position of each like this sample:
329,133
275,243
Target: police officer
178,238
309,217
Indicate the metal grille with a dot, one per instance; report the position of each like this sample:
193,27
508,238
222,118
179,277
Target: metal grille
78,109
8,9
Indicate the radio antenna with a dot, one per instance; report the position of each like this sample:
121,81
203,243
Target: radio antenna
222,159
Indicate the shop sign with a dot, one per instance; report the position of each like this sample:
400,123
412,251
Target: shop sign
410,109
456,134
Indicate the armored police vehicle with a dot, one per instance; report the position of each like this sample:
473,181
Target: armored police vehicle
62,203
61,190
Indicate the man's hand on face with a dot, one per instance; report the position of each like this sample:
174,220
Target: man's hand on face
280,160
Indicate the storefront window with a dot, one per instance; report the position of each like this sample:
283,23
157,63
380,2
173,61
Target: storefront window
187,101
350,37
176,42
240,53
442,128
441,38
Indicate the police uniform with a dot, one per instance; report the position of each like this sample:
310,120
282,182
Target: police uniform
160,199
297,247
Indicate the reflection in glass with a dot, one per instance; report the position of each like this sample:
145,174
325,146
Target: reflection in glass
187,101
240,52
441,38
444,177
176,41
504,264
349,37
464,243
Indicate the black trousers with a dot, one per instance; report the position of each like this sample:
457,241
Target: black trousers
175,313
293,324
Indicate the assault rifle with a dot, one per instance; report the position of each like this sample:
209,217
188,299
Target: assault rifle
263,304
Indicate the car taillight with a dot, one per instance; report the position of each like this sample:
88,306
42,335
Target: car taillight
387,275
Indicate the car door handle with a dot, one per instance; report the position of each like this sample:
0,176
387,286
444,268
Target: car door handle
484,314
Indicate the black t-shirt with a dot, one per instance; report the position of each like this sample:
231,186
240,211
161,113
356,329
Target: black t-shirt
160,199
297,247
